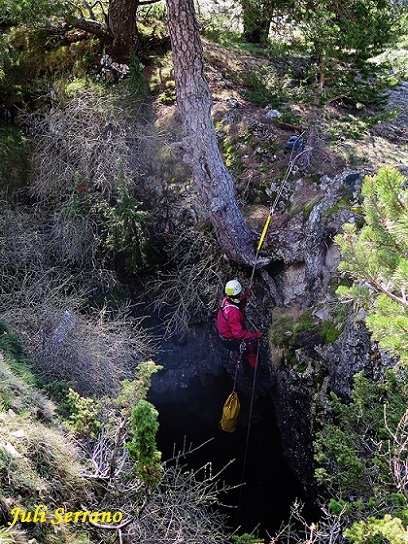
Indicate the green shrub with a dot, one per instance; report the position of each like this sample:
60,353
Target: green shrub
377,531
168,96
84,414
246,538
14,159
260,91
133,391
137,85
14,356
142,447
123,230
58,391
353,450
375,257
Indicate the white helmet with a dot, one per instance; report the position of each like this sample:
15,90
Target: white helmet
233,288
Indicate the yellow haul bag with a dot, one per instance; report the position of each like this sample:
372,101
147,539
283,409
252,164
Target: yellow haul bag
230,413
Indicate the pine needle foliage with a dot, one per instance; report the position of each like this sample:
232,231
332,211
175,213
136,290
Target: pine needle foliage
388,529
376,257
352,449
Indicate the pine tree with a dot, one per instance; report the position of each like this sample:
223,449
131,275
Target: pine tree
376,257
342,36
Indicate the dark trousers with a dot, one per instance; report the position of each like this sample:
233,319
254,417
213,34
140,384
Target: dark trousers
249,352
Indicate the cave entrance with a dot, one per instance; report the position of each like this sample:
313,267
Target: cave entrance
192,414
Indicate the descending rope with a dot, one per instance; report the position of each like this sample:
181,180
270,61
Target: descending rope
258,249
248,431
273,206
241,353
250,417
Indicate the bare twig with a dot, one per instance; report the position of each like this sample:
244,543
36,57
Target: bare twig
192,290
329,529
398,453
87,142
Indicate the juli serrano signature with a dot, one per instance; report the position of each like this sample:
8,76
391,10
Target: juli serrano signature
60,515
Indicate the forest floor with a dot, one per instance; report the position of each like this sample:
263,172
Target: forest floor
253,141
387,143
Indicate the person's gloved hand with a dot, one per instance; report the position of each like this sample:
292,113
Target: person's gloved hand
257,334
248,292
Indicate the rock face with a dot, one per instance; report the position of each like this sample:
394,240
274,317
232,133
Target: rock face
302,237
293,281
302,385
352,352
315,347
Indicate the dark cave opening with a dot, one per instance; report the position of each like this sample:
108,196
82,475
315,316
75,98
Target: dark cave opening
192,414
274,268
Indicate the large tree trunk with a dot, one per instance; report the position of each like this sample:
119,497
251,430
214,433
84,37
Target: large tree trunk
213,181
122,24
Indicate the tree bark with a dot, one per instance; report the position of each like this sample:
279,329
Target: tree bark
212,179
123,27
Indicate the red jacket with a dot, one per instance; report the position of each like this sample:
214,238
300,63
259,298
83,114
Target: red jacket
230,320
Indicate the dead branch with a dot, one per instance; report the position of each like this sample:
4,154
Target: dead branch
329,529
87,142
120,437
190,292
64,339
289,126
398,453
179,509
185,451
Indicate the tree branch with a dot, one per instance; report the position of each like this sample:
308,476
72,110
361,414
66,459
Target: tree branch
385,291
91,26
90,9
117,445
